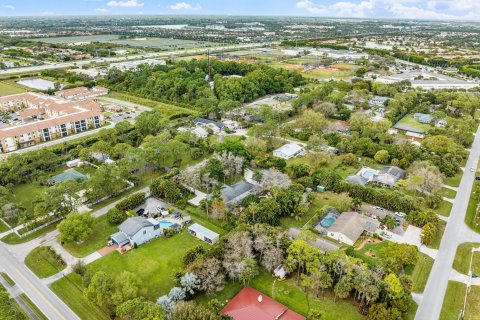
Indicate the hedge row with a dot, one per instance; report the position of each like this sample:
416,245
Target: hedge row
131,202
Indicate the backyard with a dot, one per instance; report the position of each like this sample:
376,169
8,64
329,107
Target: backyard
454,299
410,121
288,293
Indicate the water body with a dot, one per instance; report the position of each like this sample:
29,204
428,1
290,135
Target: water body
39,84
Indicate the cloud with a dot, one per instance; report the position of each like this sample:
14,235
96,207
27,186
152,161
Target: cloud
48,13
8,6
338,9
184,6
125,4
101,10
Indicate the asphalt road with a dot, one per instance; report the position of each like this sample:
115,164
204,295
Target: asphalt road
50,305
455,233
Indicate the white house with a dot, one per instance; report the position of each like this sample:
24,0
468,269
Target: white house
215,126
136,230
349,226
288,151
203,233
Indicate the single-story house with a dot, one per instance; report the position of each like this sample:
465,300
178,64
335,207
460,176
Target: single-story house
378,101
388,176
232,195
414,136
203,233
215,126
74,163
251,304
289,150
136,230
349,226
341,126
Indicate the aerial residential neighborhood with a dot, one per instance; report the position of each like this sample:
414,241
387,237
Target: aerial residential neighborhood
269,160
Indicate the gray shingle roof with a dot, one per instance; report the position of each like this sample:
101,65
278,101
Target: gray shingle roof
352,225
238,189
207,121
132,225
353,178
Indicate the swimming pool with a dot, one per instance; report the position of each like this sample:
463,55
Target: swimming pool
367,174
327,222
165,224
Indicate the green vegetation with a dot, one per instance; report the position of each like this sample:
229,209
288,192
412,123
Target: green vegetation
201,217
13,238
9,308
409,120
33,307
455,180
448,193
70,290
444,208
463,256
44,262
7,278
472,219
3,227
101,231
371,253
336,71
421,272
439,235
453,302
7,88
158,259
288,293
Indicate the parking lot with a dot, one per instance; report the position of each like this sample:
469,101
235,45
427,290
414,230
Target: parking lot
151,205
123,116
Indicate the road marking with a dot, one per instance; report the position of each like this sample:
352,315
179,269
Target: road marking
39,293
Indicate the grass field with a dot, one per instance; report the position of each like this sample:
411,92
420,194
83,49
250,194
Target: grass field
157,260
471,218
42,263
337,71
3,227
288,293
70,290
463,256
455,180
448,193
7,278
444,208
409,120
371,252
453,302
102,230
8,89
421,272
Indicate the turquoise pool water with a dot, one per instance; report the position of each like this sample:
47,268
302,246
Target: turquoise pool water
327,222
368,173
165,224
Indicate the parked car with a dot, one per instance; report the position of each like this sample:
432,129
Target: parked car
400,214
140,212
386,235
472,169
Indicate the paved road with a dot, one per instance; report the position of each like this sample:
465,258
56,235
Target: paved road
456,233
50,305
127,104
164,54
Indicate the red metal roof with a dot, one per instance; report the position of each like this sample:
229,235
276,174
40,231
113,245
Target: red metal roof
247,305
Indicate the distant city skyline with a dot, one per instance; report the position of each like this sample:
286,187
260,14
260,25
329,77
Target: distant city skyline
401,9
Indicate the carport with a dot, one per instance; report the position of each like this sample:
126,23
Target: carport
120,239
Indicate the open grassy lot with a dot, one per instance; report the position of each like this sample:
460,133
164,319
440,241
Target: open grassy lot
410,121
444,208
455,180
70,290
453,302
471,218
153,262
337,71
371,252
43,263
421,272
327,199
12,238
463,256
167,109
102,230
448,193
288,293
8,89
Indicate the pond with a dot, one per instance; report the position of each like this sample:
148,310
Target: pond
38,83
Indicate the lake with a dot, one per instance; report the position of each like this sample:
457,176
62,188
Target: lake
39,84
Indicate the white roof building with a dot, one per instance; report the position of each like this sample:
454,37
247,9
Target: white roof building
428,80
288,151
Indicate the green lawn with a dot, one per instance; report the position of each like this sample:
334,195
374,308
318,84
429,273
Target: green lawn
7,278
421,272
8,89
33,307
338,71
289,294
409,120
455,180
370,253
463,256
201,217
41,261
102,230
70,290
448,193
412,310
454,299
327,199
3,227
438,237
153,262
444,208
471,218
12,238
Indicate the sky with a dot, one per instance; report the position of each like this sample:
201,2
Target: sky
409,9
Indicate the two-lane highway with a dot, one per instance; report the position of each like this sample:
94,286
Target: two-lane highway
50,305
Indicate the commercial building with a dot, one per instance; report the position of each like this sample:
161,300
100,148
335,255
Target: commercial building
133,65
428,80
43,118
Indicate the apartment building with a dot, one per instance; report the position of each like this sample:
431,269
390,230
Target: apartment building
82,93
45,118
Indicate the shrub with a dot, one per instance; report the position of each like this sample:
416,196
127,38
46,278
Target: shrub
115,216
131,202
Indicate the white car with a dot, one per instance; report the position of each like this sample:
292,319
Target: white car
400,214
472,169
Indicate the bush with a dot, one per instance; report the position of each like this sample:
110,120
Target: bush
79,268
131,202
115,216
